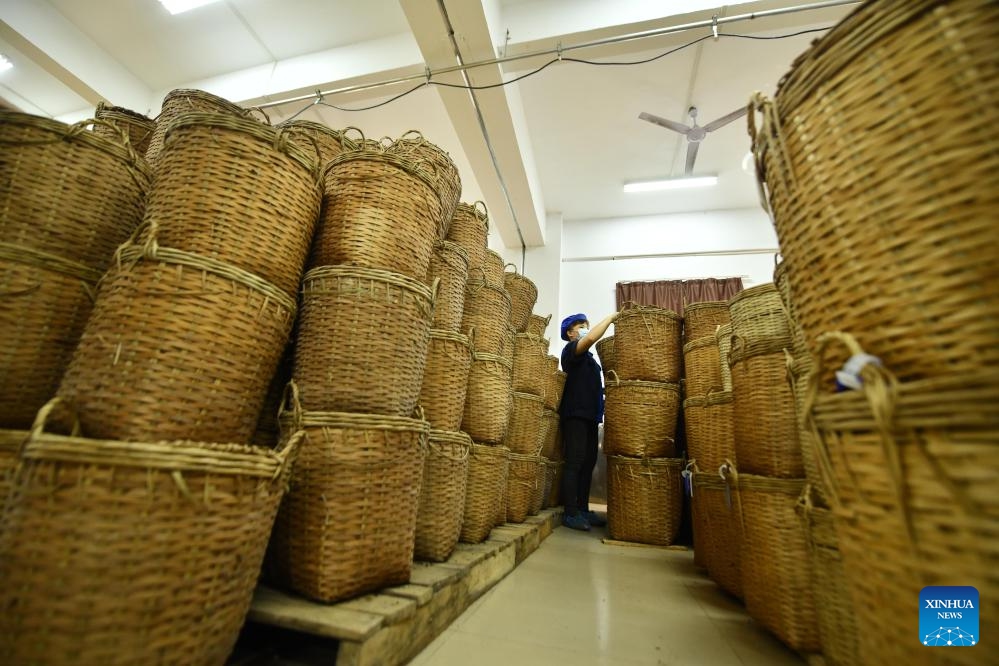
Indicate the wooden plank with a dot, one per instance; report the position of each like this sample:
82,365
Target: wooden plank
393,608
421,594
614,542
468,555
435,576
277,608
491,570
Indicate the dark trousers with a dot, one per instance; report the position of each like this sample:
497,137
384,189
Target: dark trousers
579,443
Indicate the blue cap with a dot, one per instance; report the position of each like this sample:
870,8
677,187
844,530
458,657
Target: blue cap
569,321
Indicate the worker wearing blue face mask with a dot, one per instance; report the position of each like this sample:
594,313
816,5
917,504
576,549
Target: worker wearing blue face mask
581,409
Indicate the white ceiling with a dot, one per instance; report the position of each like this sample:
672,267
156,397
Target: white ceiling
562,141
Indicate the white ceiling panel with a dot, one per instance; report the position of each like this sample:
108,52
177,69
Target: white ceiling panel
32,89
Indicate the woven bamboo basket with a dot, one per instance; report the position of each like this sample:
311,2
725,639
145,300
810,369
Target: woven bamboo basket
530,364
797,373
912,470
100,537
759,321
470,229
445,380
44,308
268,430
178,346
487,310
449,265
524,436
553,396
522,486
10,448
765,417
442,495
605,350
537,325
487,471
509,345
182,101
701,320
560,384
493,269
448,181
710,424
137,127
833,606
345,357
68,192
489,400
776,568
647,344
724,337
551,445
548,466
918,289
348,523
380,210
539,492
702,366
555,492
237,191
799,346
644,499
502,499
329,142
640,418
718,528
523,296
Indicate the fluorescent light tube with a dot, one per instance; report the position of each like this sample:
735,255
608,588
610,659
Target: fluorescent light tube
178,6
670,184
5,64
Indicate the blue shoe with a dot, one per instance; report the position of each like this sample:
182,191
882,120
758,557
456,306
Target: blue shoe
577,522
594,519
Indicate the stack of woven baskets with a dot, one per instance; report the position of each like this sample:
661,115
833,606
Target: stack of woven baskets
892,281
707,409
644,495
152,493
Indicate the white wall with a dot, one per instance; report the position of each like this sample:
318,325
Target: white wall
597,254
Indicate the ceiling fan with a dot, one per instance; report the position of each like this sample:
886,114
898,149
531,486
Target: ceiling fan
695,133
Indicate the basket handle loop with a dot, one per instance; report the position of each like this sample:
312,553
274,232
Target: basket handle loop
42,417
290,406
737,348
514,266
257,109
285,138
616,379
287,453
416,135
354,145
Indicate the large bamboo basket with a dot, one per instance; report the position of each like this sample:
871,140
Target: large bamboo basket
442,495
647,344
605,350
182,101
137,127
799,346
640,418
348,523
237,191
702,366
68,192
487,471
552,393
487,310
710,423
776,568
524,435
759,321
346,357
445,380
470,229
523,296
551,444
718,528
530,365
380,210
538,325
555,491
448,181
701,320
539,492
765,417
912,470
449,265
724,337
489,400
644,499
178,347
522,486
833,606
133,553
329,142
549,471
917,286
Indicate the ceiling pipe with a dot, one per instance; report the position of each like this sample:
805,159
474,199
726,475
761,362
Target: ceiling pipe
658,32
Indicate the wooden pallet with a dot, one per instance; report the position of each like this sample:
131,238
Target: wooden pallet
394,625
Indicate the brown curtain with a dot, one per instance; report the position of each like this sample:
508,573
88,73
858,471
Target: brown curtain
674,294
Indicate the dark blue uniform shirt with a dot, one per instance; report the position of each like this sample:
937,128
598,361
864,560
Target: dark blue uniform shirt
583,396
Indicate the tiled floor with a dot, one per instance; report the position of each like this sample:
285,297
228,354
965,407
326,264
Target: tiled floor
578,601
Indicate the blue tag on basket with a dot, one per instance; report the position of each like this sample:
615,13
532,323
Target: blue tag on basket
686,483
848,377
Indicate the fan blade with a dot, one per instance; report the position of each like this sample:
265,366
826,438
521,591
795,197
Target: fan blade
662,122
724,120
691,156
